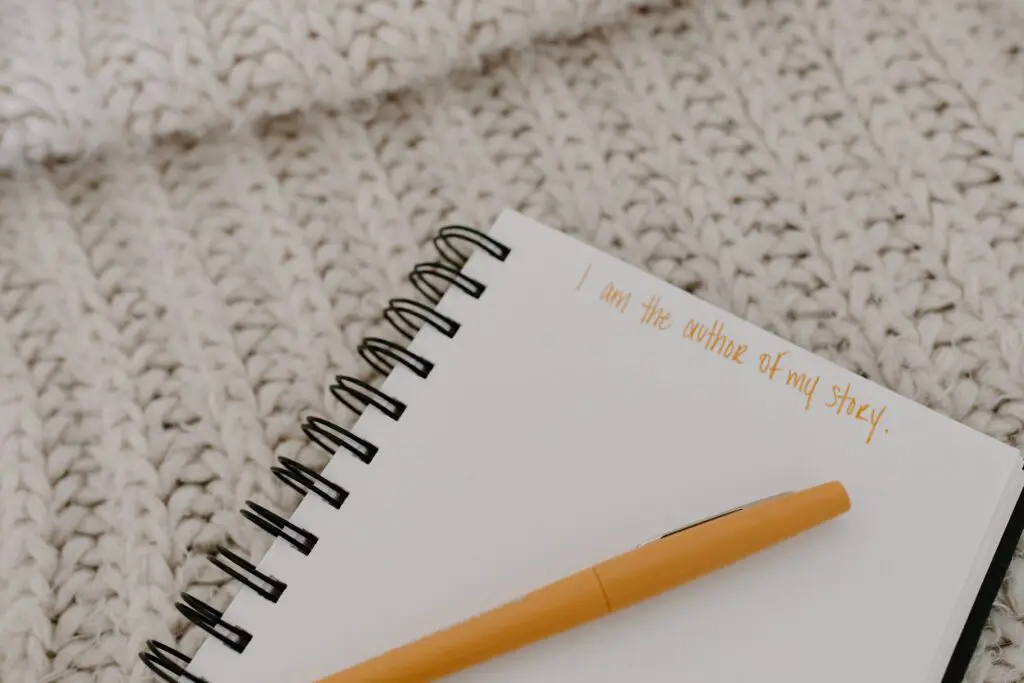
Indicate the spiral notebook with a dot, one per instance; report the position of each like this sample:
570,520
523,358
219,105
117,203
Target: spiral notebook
550,406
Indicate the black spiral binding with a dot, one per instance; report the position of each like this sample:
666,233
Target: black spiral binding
407,317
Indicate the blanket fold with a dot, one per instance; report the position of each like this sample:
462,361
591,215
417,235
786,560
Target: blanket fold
77,77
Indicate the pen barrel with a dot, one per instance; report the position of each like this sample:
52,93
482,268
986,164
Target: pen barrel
676,559
603,588
558,607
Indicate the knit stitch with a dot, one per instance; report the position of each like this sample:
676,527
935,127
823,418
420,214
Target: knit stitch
80,76
207,205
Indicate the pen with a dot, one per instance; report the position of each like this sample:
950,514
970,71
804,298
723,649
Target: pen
653,568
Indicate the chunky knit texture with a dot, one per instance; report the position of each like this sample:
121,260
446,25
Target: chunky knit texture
207,204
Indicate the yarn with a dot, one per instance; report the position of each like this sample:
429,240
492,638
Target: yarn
205,206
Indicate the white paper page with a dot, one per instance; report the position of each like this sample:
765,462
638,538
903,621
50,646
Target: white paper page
556,431
982,560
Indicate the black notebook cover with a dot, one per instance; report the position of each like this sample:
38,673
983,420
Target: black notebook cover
976,620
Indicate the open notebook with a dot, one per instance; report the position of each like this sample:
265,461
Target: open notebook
557,407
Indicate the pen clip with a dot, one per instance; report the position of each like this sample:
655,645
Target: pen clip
720,515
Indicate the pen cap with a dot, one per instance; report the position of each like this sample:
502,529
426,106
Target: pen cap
687,555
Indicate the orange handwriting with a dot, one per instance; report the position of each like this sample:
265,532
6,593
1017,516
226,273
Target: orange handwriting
776,366
616,297
655,315
861,411
715,340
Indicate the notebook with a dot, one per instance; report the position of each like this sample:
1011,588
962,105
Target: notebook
544,406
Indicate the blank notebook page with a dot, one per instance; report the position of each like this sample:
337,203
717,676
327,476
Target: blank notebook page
585,407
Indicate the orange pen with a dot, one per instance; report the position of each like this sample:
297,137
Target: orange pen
653,568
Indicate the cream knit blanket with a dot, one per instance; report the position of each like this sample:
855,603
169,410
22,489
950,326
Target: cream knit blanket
205,205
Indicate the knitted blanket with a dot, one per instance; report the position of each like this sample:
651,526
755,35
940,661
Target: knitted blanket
205,206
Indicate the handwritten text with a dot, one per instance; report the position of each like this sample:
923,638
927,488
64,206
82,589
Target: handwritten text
779,367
